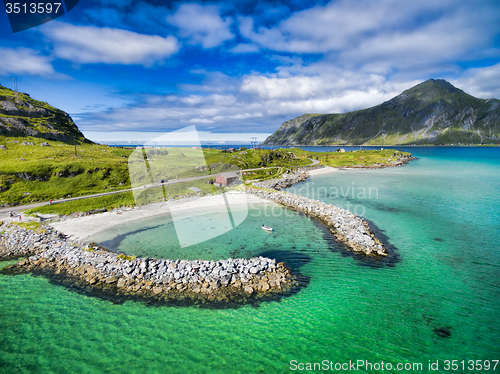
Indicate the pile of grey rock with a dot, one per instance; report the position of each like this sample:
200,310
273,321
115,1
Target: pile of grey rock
287,179
223,281
346,226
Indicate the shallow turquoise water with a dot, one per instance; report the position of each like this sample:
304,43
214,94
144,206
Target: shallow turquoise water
441,212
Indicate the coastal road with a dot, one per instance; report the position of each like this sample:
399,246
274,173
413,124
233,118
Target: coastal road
5,212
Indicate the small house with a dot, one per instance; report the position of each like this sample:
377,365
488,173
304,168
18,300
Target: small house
226,179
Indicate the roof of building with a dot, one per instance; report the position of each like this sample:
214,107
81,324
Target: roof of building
230,174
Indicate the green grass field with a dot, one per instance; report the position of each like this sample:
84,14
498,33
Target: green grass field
85,205
33,173
359,158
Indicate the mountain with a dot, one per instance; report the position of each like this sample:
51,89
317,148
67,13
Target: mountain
20,115
432,112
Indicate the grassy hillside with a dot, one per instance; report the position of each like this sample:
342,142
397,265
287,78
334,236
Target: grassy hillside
123,199
31,173
21,115
361,158
254,158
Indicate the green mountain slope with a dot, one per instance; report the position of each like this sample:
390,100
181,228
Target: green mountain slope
432,112
24,116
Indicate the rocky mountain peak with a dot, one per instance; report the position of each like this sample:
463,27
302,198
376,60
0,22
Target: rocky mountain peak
433,111
20,115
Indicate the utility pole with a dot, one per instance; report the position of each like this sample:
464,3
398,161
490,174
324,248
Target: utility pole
254,143
14,84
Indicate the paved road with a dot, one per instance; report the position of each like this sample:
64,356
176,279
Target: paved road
19,208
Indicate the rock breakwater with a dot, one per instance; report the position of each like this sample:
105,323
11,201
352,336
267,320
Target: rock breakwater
231,281
348,228
288,179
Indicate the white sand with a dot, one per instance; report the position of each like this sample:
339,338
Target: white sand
325,170
83,228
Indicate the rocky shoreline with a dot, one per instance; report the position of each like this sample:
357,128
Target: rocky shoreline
288,179
84,265
348,228
402,160
87,266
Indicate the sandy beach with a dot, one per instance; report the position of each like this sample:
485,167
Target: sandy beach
325,170
83,228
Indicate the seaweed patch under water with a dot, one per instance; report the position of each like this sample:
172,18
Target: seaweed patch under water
293,260
444,332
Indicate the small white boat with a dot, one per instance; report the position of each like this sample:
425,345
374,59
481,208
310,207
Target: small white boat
267,228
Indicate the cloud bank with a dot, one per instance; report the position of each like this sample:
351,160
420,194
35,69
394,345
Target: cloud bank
248,66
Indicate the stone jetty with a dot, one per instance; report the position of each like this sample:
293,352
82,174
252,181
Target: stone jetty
199,281
348,228
288,179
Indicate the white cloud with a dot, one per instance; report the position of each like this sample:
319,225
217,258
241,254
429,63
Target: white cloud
201,24
159,113
26,61
322,87
458,36
480,82
260,103
89,44
338,25
345,56
245,48
214,82
389,34
112,137
283,88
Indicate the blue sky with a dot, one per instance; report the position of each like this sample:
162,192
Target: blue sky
130,70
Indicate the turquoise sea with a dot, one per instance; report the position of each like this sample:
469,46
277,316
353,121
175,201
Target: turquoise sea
436,299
